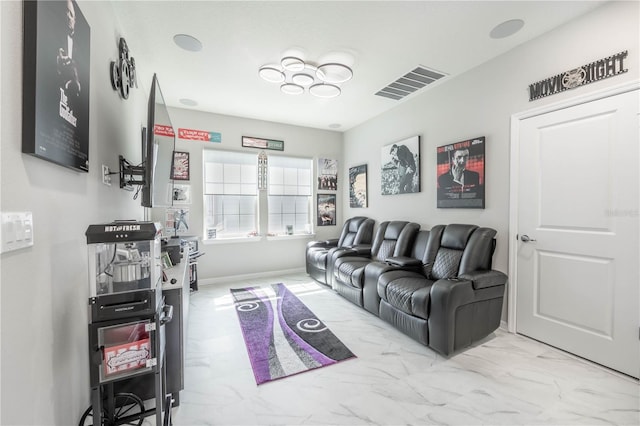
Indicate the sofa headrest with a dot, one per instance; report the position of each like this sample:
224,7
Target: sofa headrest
355,223
456,236
394,229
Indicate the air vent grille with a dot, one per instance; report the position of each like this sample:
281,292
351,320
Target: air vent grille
410,82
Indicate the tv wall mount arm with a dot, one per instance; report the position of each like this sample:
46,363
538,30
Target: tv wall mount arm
130,175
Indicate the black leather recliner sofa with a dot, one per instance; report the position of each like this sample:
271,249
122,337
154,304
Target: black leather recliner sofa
451,298
372,271
357,233
394,238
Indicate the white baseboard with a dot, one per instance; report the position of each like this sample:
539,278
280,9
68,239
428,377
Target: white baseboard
244,277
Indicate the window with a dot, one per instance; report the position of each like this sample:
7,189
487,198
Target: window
231,194
236,208
290,195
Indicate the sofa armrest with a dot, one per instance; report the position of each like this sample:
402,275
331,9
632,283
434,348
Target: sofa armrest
404,262
448,299
322,244
485,279
360,250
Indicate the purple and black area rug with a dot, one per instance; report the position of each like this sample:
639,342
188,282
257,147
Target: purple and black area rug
282,335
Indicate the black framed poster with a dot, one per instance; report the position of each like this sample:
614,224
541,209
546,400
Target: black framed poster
400,171
55,91
326,204
180,166
358,186
461,174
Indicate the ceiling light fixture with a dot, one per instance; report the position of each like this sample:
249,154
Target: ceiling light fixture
297,76
271,74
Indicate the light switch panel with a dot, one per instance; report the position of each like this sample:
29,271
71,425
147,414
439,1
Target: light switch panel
17,230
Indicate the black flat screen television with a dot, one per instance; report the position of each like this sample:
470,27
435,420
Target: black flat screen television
157,149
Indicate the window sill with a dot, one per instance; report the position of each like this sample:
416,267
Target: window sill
290,237
231,240
241,240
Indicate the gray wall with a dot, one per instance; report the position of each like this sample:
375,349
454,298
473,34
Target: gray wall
225,259
43,291
45,288
480,103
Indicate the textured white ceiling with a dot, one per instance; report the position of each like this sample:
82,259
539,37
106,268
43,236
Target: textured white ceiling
381,40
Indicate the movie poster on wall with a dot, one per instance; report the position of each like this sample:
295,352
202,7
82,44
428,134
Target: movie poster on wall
400,171
327,174
358,186
326,209
56,83
461,178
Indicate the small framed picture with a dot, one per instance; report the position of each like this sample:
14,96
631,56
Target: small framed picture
326,209
180,194
358,186
180,166
166,261
251,142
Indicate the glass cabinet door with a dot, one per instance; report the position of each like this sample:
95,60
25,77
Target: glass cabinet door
127,349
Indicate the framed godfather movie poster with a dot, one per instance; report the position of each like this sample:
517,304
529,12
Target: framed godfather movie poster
461,174
55,91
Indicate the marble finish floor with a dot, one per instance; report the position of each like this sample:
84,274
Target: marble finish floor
506,379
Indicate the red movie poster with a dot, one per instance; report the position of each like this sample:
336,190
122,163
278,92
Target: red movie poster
460,171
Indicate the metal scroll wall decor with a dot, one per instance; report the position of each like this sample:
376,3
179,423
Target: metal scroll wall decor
589,73
123,71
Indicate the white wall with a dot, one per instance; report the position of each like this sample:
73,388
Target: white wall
480,103
44,288
246,258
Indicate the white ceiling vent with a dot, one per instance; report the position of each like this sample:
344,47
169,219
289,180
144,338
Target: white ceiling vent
410,82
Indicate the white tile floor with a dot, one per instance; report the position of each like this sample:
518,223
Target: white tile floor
504,380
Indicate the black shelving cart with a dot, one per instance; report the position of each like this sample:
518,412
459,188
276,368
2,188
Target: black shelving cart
127,317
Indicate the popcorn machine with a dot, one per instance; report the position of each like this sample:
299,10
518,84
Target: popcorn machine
126,321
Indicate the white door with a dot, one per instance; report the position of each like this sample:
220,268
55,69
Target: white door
577,255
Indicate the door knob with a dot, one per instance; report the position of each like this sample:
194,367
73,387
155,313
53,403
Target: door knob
525,239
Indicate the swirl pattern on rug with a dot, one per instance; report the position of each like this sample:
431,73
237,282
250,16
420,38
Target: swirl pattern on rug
283,337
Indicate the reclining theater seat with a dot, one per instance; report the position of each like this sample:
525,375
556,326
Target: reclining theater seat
373,270
456,299
393,238
357,231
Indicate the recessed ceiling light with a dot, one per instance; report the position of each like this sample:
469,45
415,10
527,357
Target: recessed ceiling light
188,102
507,28
187,42
335,125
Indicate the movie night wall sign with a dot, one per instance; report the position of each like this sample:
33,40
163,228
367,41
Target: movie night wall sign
585,74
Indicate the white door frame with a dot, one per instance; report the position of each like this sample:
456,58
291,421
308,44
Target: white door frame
514,184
